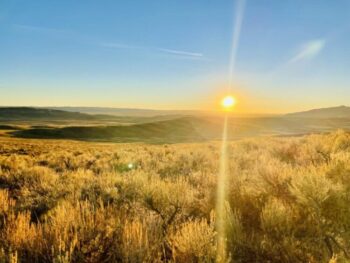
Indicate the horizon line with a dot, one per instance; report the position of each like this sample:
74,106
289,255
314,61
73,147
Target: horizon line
170,110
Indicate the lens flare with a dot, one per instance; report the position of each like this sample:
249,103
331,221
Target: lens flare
227,103
221,198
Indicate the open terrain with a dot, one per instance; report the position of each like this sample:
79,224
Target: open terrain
58,124
65,201
69,193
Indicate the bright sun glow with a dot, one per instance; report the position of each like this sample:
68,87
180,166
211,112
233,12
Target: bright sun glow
228,102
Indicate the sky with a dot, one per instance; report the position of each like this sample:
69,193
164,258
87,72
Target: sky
290,55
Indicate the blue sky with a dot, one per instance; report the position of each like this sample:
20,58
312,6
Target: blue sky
292,54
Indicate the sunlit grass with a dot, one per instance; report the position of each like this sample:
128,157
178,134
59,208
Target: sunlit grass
285,200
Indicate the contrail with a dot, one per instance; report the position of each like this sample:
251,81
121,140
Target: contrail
223,169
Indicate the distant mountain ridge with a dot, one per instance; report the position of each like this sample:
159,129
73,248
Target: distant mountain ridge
58,124
48,114
100,113
124,111
29,113
332,112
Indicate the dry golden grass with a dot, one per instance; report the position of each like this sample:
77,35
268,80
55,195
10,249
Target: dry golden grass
64,201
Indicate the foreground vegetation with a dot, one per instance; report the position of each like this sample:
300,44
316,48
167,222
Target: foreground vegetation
62,201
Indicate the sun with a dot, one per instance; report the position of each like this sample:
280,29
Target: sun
228,102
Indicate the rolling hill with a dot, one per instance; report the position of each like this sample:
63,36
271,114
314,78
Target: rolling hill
171,129
182,129
28,113
333,112
189,129
126,112
33,115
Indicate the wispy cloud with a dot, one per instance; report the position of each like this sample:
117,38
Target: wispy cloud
173,52
180,52
310,50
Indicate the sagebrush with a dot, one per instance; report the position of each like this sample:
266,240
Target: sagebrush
62,201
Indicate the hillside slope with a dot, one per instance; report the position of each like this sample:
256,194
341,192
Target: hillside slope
182,129
32,115
28,113
189,129
333,112
126,112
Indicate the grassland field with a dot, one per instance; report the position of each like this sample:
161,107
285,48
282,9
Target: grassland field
70,201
